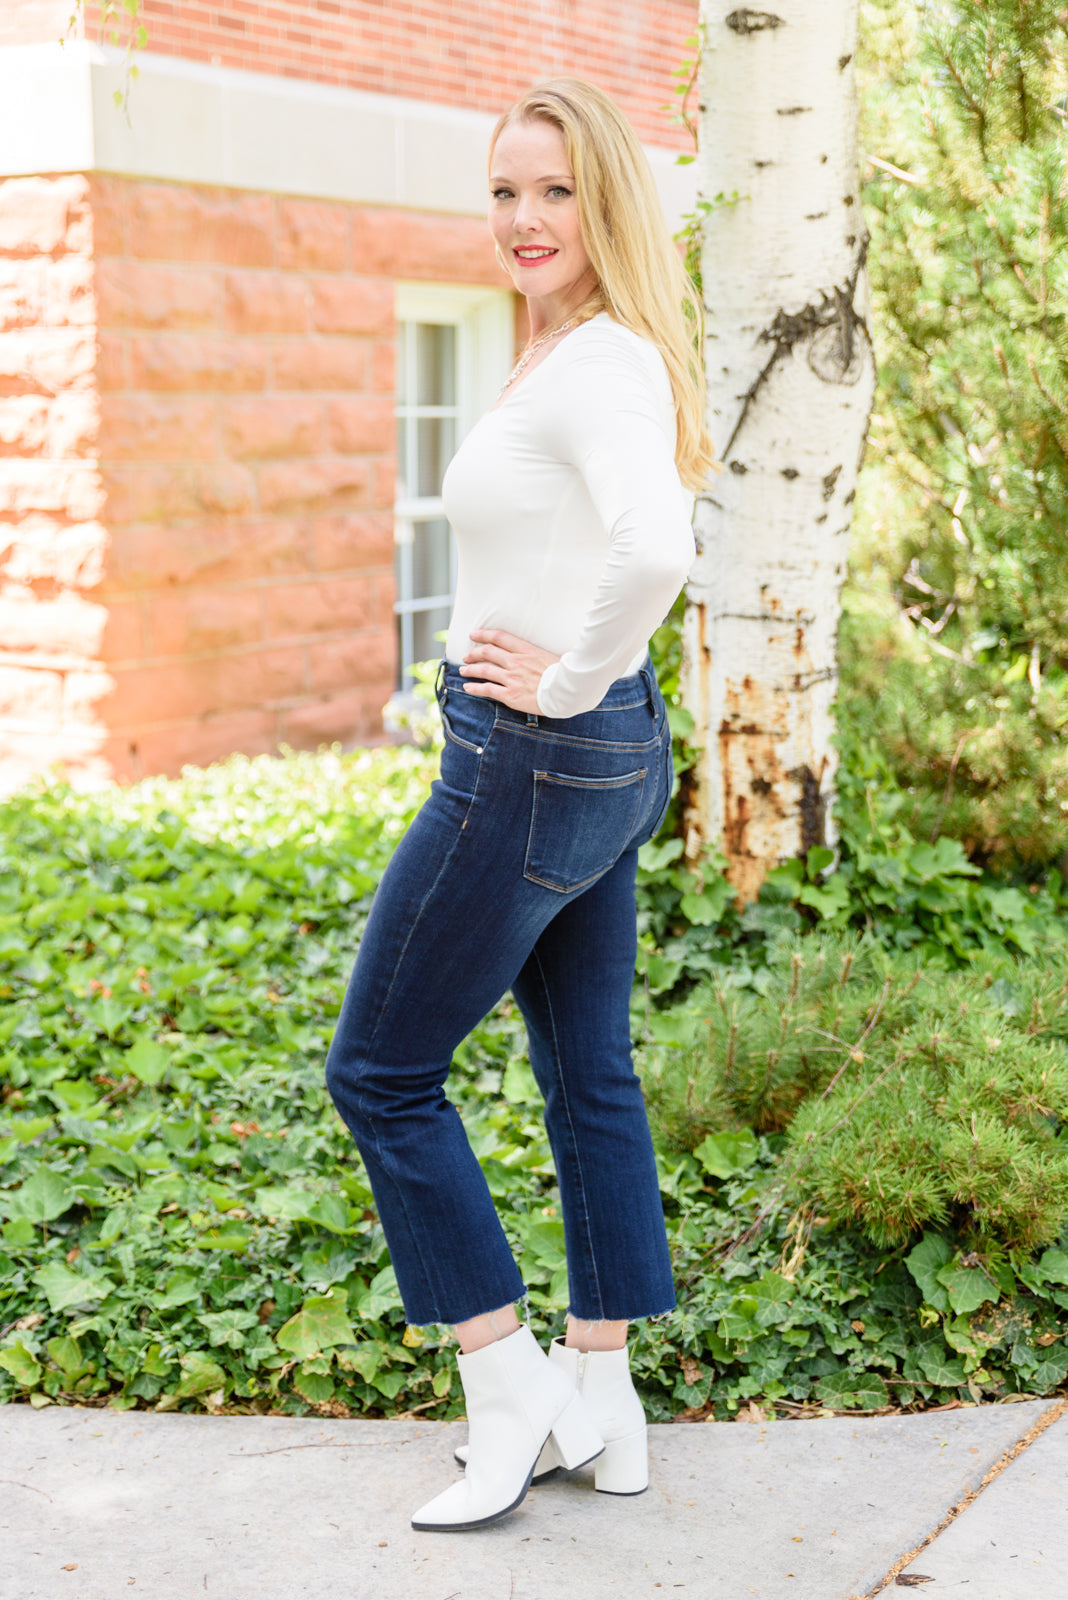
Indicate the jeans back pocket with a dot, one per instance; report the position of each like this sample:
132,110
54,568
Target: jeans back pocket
579,827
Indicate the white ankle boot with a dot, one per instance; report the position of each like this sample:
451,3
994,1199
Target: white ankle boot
517,1402
602,1378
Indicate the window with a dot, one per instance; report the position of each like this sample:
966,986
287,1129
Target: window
454,350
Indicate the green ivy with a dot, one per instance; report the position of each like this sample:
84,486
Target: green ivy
184,1222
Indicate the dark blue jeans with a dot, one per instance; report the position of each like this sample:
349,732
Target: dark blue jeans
518,873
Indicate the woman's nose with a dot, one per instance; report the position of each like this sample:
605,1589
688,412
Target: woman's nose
526,216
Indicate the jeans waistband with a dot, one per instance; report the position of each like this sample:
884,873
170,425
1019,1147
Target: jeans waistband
623,692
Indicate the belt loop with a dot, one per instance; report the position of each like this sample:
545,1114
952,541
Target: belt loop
439,679
652,690
532,721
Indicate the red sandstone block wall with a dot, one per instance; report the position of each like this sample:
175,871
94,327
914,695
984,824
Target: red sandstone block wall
482,53
196,398
52,542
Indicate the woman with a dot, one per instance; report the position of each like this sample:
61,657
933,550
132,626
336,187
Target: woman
574,538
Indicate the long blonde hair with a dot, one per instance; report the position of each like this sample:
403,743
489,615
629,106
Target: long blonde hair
641,281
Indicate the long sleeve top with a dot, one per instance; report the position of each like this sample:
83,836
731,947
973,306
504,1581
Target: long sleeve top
573,529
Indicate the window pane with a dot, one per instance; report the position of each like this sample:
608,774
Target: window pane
405,488
435,445
404,334
435,345
425,624
430,559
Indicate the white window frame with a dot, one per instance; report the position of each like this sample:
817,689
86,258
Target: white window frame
484,320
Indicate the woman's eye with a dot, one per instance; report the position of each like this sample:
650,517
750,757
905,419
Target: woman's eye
558,189
501,194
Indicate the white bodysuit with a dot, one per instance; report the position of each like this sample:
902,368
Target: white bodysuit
572,526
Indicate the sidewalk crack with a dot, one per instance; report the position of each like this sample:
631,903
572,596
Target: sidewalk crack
1046,1420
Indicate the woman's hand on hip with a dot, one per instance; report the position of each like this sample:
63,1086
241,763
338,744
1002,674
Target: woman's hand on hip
510,669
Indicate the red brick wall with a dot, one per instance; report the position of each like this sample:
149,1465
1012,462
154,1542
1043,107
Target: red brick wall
199,383
482,53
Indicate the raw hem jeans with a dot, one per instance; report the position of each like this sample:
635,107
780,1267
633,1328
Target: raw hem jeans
518,873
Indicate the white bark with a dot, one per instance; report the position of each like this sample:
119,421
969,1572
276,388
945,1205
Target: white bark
791,377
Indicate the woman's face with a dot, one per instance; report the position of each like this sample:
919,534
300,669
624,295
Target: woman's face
534,216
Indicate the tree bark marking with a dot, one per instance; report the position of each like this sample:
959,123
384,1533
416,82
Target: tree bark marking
790,374
746,21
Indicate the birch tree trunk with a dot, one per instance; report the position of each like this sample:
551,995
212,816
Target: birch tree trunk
791,378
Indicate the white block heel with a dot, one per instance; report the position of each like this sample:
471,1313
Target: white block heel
575,1440
623,1466
602,1378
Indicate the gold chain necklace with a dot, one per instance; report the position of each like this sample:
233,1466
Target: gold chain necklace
520,366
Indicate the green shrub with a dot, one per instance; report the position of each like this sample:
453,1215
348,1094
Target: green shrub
910,1097
954,645
757,1054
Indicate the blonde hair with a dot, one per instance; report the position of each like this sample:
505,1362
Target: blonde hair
641,281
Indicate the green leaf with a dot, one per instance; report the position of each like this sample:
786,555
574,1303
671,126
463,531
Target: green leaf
959,1336
228,1327
715,1347
22,1364
44,1196
147,1061
704,910
201,1374
968,1287
182,1287
543,1237
113,1226
106,1155
329,1211
26,1129
18,1235
656,855
853,1390
925,1262
818,859
773,1294
233,1238
321,1323
381,1295
1049,1371
362,1358
946,1371
1053,1266
724,1154
78,1096
316,1387
519,1086
783,882
66,1354
659,973
389,1383
65,1288
944,859
108,1015
830,900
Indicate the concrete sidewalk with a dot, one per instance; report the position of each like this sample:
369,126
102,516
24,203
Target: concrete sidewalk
98,1505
